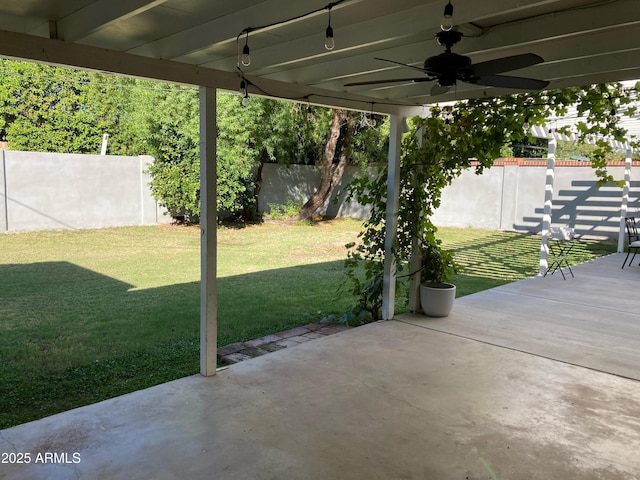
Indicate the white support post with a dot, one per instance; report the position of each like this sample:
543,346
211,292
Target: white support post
548,205
208,226
391,222
625,199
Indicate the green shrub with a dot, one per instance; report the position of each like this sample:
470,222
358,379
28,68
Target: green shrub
283,212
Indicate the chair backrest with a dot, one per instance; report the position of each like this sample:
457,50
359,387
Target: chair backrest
632,229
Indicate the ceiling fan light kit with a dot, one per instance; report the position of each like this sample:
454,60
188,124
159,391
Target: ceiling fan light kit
447,68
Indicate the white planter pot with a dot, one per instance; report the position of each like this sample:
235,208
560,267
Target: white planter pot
437,298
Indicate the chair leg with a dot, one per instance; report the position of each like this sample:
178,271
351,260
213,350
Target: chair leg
626,258
635,251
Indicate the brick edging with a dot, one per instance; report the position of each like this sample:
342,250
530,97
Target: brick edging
237,352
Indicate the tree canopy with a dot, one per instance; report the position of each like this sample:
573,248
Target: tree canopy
60,110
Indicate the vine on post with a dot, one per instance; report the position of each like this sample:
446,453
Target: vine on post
439,147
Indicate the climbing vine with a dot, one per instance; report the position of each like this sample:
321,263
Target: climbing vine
457,137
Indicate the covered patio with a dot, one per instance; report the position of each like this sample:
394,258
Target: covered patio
347,54
537,379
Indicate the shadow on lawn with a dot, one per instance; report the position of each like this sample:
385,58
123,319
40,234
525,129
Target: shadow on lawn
70,336
509,256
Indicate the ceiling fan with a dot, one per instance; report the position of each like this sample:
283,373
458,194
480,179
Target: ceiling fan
448,67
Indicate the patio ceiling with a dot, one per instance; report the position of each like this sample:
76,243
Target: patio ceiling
194,41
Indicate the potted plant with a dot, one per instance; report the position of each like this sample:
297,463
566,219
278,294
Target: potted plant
436,293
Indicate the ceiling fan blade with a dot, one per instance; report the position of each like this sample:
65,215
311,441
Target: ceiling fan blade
438,89
505,81
505,64
391,80
420,69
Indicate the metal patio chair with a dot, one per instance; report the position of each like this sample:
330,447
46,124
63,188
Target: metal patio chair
633,238
560,245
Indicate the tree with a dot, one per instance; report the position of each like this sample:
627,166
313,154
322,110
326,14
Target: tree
330,175
254,131
348,144
174,138
257,130
251,131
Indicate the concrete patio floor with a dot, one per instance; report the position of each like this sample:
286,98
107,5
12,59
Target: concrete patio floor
533,380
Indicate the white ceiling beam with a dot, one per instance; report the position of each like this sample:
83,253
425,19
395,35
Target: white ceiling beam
554,26
56,52
98,14
292,59
605,62
31,25
576,46
24,24
226,28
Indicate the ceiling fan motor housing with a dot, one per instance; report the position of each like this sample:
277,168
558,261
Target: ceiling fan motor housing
446,67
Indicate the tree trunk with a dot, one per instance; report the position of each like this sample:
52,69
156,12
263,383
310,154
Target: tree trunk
251,212
330,176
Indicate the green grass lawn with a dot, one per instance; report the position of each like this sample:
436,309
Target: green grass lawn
491,258
90,314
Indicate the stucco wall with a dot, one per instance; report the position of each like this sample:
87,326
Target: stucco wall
40,191
296,183
510,196
507,196
50,191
